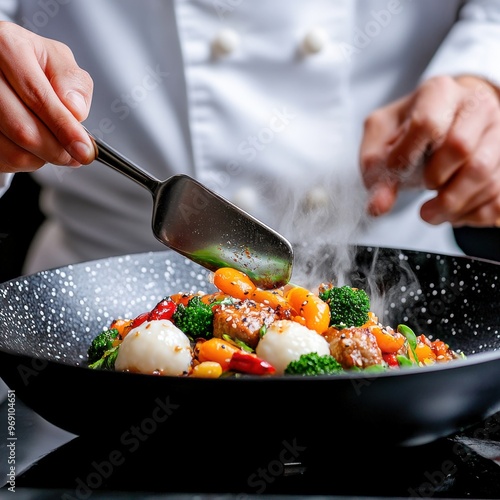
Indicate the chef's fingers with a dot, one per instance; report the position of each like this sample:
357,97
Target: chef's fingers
381,129
473,188
72,84
382,197
15,159
30,64
26,144
429,116
486,215
459,147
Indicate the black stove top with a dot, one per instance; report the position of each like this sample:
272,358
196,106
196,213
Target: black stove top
53,464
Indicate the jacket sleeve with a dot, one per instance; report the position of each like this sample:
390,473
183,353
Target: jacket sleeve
472,46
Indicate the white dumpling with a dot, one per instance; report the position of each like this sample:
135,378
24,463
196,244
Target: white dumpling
286,341
155,347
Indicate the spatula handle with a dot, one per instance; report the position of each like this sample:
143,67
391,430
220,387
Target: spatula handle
106,155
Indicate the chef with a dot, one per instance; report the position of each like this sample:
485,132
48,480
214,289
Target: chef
372,122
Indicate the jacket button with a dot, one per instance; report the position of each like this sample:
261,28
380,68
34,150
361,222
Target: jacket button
315,41
225,42
316,198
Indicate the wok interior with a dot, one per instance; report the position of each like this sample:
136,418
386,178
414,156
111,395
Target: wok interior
55,314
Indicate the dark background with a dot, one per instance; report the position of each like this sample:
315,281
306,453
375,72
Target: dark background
20,217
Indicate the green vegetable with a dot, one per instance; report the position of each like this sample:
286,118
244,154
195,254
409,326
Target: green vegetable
314,364
100,344
107,361
375,369
404,360
410,337
348,306
238,343
195,319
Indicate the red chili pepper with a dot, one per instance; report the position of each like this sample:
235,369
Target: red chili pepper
391,359
139,320
163,310
246,362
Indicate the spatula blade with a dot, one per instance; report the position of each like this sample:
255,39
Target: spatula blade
204,227
213,232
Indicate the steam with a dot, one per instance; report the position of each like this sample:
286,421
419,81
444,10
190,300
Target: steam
392,286
323,218
326,213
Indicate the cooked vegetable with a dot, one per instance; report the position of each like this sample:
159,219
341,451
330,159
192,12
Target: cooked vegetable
348,306
246,362
309,306
424,353
273,298
233,282
217,350
163,310
101,343
239,343
122,325
195,319
402,361
207,369
314,364
241,329
107,361
412,341
388,340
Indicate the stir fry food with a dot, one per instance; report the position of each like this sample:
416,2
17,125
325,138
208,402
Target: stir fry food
244,330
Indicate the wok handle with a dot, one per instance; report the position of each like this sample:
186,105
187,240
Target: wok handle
106,155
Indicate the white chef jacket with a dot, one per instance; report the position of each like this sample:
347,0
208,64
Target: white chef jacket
263,101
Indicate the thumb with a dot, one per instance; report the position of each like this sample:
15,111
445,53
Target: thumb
78,103
75,92
72,84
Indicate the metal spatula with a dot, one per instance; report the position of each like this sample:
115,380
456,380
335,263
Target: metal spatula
206,228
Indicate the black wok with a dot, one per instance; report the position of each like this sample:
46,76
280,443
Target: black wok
47,321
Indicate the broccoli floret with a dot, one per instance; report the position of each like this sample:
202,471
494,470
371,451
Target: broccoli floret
314,364
195,319
102,342
348,306
107,361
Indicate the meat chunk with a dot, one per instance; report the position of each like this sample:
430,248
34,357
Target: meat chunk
354,347
243,320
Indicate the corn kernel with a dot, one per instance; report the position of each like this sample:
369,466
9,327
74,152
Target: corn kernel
207,369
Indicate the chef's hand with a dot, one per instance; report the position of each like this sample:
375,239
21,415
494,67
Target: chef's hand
444,136
43,97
